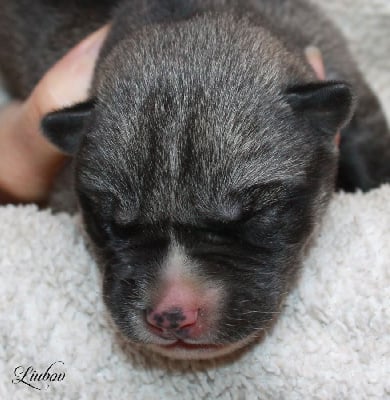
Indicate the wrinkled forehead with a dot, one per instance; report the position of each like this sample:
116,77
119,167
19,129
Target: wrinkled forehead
180,158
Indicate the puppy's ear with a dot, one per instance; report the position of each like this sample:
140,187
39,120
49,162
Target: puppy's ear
328,105
64,128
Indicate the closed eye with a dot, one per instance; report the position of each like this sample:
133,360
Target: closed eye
124,231
137,236
214,236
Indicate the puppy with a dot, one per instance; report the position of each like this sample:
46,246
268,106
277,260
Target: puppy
205,156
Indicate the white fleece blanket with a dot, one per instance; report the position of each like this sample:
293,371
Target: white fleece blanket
332,340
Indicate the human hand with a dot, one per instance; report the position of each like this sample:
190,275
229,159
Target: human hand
28,162
314,57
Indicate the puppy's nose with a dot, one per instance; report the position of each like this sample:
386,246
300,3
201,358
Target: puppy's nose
182,309
176,312
172,322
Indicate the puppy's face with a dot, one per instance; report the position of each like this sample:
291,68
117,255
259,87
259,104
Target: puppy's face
200,184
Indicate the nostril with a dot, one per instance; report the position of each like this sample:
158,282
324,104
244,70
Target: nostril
154,319
172,319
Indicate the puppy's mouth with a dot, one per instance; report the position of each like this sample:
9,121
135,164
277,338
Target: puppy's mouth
189,351
180,345
182,350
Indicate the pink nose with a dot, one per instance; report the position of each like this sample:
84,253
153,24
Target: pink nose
174,321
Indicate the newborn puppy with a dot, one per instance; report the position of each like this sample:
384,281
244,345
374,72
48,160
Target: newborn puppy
205,156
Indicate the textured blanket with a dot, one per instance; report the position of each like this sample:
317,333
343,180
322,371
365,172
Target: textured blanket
332,340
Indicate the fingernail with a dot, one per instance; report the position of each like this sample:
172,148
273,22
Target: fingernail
313,51
91,45
67,82
314,58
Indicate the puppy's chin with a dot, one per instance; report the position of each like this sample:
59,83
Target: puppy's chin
185,351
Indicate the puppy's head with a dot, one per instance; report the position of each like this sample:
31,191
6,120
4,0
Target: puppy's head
202,164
